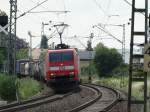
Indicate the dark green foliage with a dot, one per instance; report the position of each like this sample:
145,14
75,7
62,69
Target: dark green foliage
121,70
7,87
22,54
106,59
3,55
88,70
28,88
44,42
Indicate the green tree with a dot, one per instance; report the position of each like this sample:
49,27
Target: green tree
44,42
3,55
106,60
22,54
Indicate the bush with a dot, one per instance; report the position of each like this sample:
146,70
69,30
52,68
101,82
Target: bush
106,60
7,87
28,88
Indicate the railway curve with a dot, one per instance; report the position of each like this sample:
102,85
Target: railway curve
109,98
87,98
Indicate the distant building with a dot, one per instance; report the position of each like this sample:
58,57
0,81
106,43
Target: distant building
36,53
85,57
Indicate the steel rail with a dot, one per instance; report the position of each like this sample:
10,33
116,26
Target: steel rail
116,100
98,93
32,103
98,98
49,99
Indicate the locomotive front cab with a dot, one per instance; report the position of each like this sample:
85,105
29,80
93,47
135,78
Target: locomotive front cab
62,66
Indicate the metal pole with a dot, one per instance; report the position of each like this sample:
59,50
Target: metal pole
12,38
30,52
131,57
145,78
123,42
30,49
60,34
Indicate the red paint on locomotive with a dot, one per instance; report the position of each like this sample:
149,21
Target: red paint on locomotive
61,64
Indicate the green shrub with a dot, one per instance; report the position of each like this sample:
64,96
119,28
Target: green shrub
28,88
7,87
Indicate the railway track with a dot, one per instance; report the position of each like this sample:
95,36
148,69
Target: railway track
32,103
100,99
109,98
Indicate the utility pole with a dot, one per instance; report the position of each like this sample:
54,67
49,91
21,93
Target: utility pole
123,43
90,49
12,38
133,76
30,46
42,29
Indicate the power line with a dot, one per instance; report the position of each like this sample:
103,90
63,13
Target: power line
131,5
101,28
108,5
31,9
49,11
38,3
128,2
100,7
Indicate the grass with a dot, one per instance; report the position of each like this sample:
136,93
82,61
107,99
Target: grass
28,88
7,87
119,83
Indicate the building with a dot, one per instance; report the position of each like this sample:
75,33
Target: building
85,57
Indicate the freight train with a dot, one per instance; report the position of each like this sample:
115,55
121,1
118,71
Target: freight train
56,67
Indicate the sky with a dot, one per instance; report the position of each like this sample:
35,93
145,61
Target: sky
82,16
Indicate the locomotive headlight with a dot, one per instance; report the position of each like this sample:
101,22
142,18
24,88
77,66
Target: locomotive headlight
52,75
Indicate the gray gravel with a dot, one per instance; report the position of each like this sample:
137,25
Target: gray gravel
67,103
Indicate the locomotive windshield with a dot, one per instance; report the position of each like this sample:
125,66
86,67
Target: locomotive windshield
61,56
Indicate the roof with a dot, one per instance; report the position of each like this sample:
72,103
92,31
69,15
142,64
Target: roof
61,50
86,55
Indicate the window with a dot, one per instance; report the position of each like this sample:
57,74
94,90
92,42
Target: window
61,57
67,56
55,57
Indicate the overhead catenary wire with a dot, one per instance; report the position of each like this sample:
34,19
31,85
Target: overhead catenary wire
34,17
40,5
100,7
104,30
108,6
131,5
128,2
49,11
21,15
31,9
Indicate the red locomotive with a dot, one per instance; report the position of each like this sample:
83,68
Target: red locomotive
61,66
